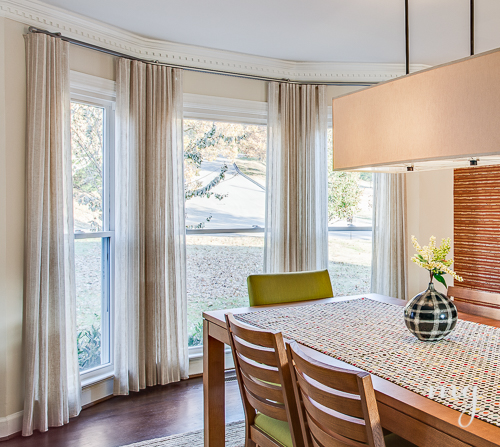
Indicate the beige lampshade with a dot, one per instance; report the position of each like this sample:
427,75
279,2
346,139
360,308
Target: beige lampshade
433,119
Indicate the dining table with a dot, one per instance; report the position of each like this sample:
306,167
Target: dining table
413,416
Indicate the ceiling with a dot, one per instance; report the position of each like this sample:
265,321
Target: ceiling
313,31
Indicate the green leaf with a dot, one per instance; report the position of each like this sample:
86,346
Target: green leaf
421,258
440,279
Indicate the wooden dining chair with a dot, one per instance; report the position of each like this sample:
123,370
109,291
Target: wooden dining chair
277,288
476,302
260,360
337,406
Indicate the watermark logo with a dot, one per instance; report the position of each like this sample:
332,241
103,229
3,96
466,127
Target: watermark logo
468,394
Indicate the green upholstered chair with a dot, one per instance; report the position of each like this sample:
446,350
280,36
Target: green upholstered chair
271,414
276,288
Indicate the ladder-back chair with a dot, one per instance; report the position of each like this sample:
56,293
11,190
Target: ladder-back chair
260,360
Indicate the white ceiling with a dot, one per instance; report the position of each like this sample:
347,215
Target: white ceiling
314,31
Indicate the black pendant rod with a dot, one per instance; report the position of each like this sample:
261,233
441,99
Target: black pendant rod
472,27
33,29
407,38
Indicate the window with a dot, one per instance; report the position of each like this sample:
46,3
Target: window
225,168
350,206
92,160
225,143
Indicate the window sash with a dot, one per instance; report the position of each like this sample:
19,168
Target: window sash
106,368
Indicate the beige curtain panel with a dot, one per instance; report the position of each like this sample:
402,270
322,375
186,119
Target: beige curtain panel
389,261
150,339
296,237
52,379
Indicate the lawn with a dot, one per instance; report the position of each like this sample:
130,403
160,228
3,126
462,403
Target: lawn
218,265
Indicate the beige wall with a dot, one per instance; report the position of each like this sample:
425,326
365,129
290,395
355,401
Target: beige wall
3,229
12,111
429,213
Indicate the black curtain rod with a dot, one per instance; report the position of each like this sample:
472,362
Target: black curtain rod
472,27
407,39
90,46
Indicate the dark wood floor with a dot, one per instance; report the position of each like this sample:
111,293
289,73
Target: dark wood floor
152,413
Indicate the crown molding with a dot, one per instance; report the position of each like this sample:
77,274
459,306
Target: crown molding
41,15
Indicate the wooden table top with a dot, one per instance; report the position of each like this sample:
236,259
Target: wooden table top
432,413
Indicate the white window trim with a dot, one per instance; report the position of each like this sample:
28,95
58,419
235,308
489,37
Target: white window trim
228,110
101,92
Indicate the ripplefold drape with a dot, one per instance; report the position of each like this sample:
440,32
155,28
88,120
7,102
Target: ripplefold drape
51,374
296,236
389,253
150,337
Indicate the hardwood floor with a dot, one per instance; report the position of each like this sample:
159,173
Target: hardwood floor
152,413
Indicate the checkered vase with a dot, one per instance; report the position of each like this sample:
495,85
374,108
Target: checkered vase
430,315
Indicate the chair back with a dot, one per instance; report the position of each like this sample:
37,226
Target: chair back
338,406
476,302
264,376
276,288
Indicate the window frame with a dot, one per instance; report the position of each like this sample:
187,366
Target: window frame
94,91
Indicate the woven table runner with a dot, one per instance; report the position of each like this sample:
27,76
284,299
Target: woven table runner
372,336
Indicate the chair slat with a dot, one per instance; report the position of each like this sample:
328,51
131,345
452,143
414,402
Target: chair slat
267,390
254,353
347,426
336,378
330,439
260,371
349,404
255,336
273,410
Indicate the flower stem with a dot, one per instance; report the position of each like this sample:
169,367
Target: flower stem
431,275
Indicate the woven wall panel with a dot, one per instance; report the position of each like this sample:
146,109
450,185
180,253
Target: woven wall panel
477,227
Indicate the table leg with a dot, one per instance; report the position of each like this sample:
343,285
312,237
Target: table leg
213,389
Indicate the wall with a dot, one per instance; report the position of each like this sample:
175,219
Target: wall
12,113
429,213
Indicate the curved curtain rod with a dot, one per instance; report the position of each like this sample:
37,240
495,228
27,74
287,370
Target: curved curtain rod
90,46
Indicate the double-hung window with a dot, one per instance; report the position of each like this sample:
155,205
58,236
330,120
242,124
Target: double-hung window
92,143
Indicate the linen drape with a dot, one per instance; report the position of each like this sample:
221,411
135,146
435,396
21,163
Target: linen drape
296,236
150,344
52,379
389,261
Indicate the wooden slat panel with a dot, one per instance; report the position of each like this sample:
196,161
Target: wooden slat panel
254,336
477,227
336,378
271,392
260,371
276,411
262,355
335,400
346,426
320,437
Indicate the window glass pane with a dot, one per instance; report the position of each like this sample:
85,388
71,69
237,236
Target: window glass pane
87,138
225,172
350,205
217,270
89,299
349,261
350,195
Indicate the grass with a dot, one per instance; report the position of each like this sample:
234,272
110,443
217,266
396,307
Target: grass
88,283
219,265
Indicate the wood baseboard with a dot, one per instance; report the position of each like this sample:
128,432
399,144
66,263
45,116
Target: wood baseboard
98,401
13,435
